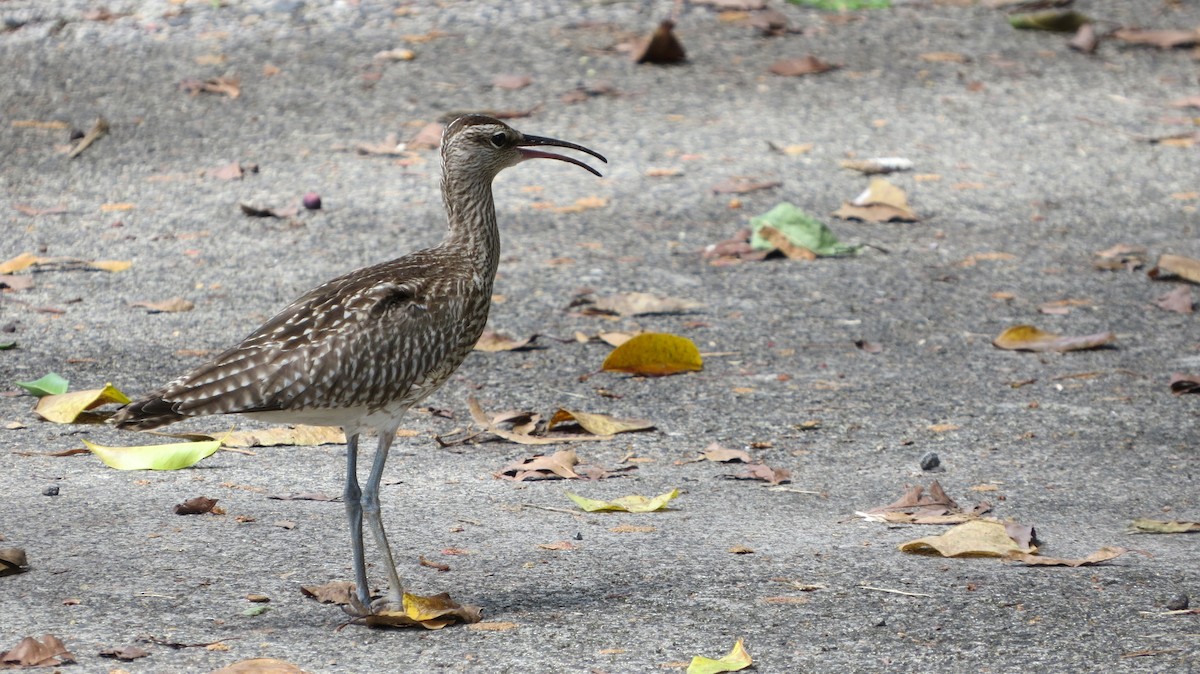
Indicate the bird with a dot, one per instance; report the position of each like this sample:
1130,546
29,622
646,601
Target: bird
360,350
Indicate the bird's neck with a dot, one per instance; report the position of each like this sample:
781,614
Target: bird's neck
472,223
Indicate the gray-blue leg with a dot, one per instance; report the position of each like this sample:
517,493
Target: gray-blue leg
370,507
352,496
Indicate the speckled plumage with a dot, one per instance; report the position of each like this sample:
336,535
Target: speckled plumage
359,350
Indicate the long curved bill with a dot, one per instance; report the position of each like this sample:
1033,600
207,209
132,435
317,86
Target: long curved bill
526,141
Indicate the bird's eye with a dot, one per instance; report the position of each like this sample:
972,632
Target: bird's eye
499,139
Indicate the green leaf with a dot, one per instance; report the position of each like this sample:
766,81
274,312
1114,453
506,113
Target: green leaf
801,229
256,610
843,5
736,660
155,457
630,504
51,384
4,346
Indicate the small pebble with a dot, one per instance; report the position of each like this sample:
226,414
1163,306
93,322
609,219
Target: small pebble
52,490
1178,602
931,463
312,201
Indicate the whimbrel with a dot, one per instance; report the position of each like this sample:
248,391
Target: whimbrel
358,351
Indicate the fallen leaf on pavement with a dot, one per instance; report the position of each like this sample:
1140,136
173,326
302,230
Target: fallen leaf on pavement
260,666
198,505
654,354
743,186
511,81
13,561
173,305
1098,557
1149,526
432,613
256,212
632,504
1085,39
65,408
878,165
790,230
231,171
523,434
493,342
26,260
598,424
49,652
98,131
1059,21
661,47
880,202
1162,39
917,506
1171,266
806,65
1179,300
1121,256
155,457
51,384
126,653
717,453
560,464
1184,383
735,660
635,304
560,545
227,86
977,538
761,471
1030,338
335,592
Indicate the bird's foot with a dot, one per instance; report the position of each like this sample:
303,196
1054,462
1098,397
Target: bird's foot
392,603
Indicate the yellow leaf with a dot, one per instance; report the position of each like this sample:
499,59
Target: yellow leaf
1149,526
259,666
1168,265
655,354
736,660
114,207
16,264
598,424
1030,338
155,457
110,265
977,538
1100,556
630,504
433,613
65,408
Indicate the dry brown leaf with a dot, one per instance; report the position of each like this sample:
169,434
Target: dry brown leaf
976,538
1162,39
717,453
336,592
1171,266
481,419
560,545
276,436
173,305
1098,557
228,86
783,244
540,467
1085,40
761,471
944,57
743,186
1179,300
492,342
807,65
598,424
1030,338
98,131
49,652
1149,526
258,666
13,561
1184,383
638,304
196,506
1121,256
662,47
880,202
125,653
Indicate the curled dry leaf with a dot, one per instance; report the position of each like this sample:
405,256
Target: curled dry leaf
880,202
432,613
633,504
598,424
878,165
978,538
1030,338
1085,40
1176,266
1162,39
917,506
662,47
637,304
1121,256
227,86
655,354
173,305
336,592
29,652
1184,383
761,471
540,467
558,545
1149,526
231,171
715,452
13,561
98,131
196,506
260,666
807,65
735,660
65,408
492,342
1100,556
126,653
1179,300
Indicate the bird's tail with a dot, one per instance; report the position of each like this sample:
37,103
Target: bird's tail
146,414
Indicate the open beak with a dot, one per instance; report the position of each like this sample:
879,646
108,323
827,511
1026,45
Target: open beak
526,153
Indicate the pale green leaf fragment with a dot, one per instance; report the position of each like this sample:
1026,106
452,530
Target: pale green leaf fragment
630,504
4,346
51,384
256,610
1057,21
801,229
736,660
844,5
155,457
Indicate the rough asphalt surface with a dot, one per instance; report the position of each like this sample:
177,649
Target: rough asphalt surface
1039,152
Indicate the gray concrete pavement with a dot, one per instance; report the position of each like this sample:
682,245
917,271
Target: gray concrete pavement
1038,155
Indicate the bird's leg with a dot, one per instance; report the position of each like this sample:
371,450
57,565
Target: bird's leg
354,511
370,506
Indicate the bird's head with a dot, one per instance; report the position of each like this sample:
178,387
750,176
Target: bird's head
475,143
